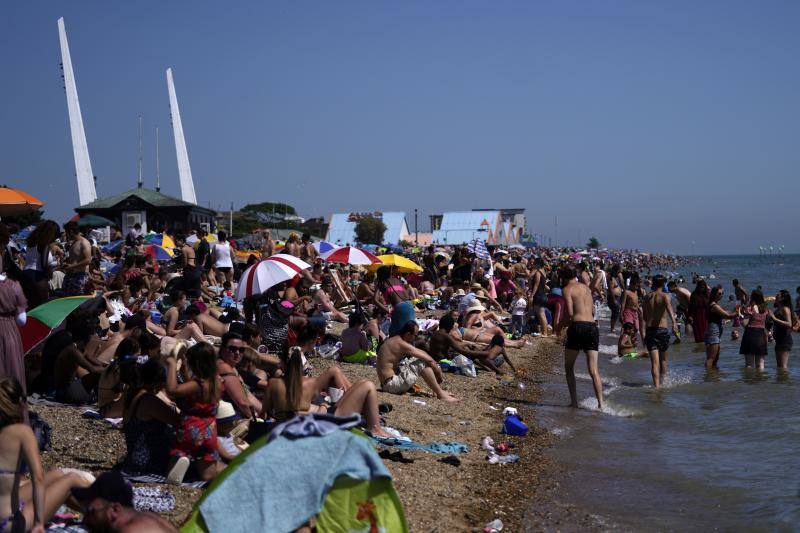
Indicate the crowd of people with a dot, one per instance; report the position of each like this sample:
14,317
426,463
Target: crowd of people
194,374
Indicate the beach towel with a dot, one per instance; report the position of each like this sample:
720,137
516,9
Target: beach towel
307,469
450,448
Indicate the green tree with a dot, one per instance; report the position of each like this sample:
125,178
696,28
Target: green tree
270,207
593,243
370,230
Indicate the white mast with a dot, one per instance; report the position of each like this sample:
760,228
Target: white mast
80,150
184,170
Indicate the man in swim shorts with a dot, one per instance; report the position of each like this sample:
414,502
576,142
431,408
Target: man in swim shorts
401,364
582,333
657,310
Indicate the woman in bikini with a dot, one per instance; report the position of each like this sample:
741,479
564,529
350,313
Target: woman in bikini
479,328
25,505
295,393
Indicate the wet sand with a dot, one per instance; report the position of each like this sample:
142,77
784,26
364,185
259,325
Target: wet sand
436,496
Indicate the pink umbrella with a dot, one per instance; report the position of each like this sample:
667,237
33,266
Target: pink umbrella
351,255
268,273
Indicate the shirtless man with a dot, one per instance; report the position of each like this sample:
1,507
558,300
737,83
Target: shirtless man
76,370
76,268
307,251
582,333
520,273
268,246
631,311
400,364
292,246
683,295
657,309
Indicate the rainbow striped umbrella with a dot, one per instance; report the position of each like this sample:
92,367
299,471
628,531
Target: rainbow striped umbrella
159,253
44,319
160,239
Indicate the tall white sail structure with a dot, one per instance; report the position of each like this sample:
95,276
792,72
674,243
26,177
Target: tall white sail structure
83,166
184,170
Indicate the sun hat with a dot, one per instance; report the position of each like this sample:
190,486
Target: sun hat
225,412
475,305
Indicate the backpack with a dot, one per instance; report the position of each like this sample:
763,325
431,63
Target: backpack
42,430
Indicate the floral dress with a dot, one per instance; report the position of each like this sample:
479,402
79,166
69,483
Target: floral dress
197,435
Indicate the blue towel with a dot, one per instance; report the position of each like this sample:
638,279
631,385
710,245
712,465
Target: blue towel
449,448
283,485
313,425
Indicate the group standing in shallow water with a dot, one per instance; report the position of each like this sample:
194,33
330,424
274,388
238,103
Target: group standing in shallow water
701,311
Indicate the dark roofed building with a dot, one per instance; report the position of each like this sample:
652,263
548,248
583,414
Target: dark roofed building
152,209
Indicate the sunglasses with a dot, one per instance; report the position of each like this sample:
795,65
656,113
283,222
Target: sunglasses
235,349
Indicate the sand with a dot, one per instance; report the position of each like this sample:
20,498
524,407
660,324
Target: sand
436,496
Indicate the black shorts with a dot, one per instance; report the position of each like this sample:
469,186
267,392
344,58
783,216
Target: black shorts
224,269
583,336
657,339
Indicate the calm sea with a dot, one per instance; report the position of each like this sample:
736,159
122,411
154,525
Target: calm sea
706,452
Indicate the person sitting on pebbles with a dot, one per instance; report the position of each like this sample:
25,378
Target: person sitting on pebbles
400,364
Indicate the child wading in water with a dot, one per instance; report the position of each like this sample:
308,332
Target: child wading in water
196,437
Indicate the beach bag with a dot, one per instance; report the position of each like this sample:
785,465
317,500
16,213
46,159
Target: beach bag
465,366
41,430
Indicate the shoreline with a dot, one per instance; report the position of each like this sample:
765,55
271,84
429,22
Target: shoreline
436,496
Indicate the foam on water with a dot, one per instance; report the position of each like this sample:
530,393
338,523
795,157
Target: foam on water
607,381
610,349
590,404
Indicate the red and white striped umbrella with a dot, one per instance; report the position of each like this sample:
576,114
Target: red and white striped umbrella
350,255
268,273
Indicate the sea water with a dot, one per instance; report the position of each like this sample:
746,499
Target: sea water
708,451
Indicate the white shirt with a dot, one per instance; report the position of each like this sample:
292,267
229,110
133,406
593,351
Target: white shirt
519,306
221,252
33,259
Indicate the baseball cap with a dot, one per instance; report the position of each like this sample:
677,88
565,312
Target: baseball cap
110,486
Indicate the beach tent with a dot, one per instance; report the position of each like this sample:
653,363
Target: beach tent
349,504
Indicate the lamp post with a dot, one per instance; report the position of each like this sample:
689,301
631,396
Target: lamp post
416,230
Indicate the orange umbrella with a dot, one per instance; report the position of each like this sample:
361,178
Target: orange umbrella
15,202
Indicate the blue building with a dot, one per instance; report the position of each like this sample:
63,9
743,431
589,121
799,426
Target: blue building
342,226
496,227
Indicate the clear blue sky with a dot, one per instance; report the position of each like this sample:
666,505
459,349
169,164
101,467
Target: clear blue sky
648,124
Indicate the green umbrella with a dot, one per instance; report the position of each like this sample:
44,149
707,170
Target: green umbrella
94,221
44,319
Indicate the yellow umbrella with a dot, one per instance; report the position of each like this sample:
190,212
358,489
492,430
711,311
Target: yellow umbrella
400,264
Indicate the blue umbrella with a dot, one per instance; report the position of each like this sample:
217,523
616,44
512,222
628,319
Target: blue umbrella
113,246
324,247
